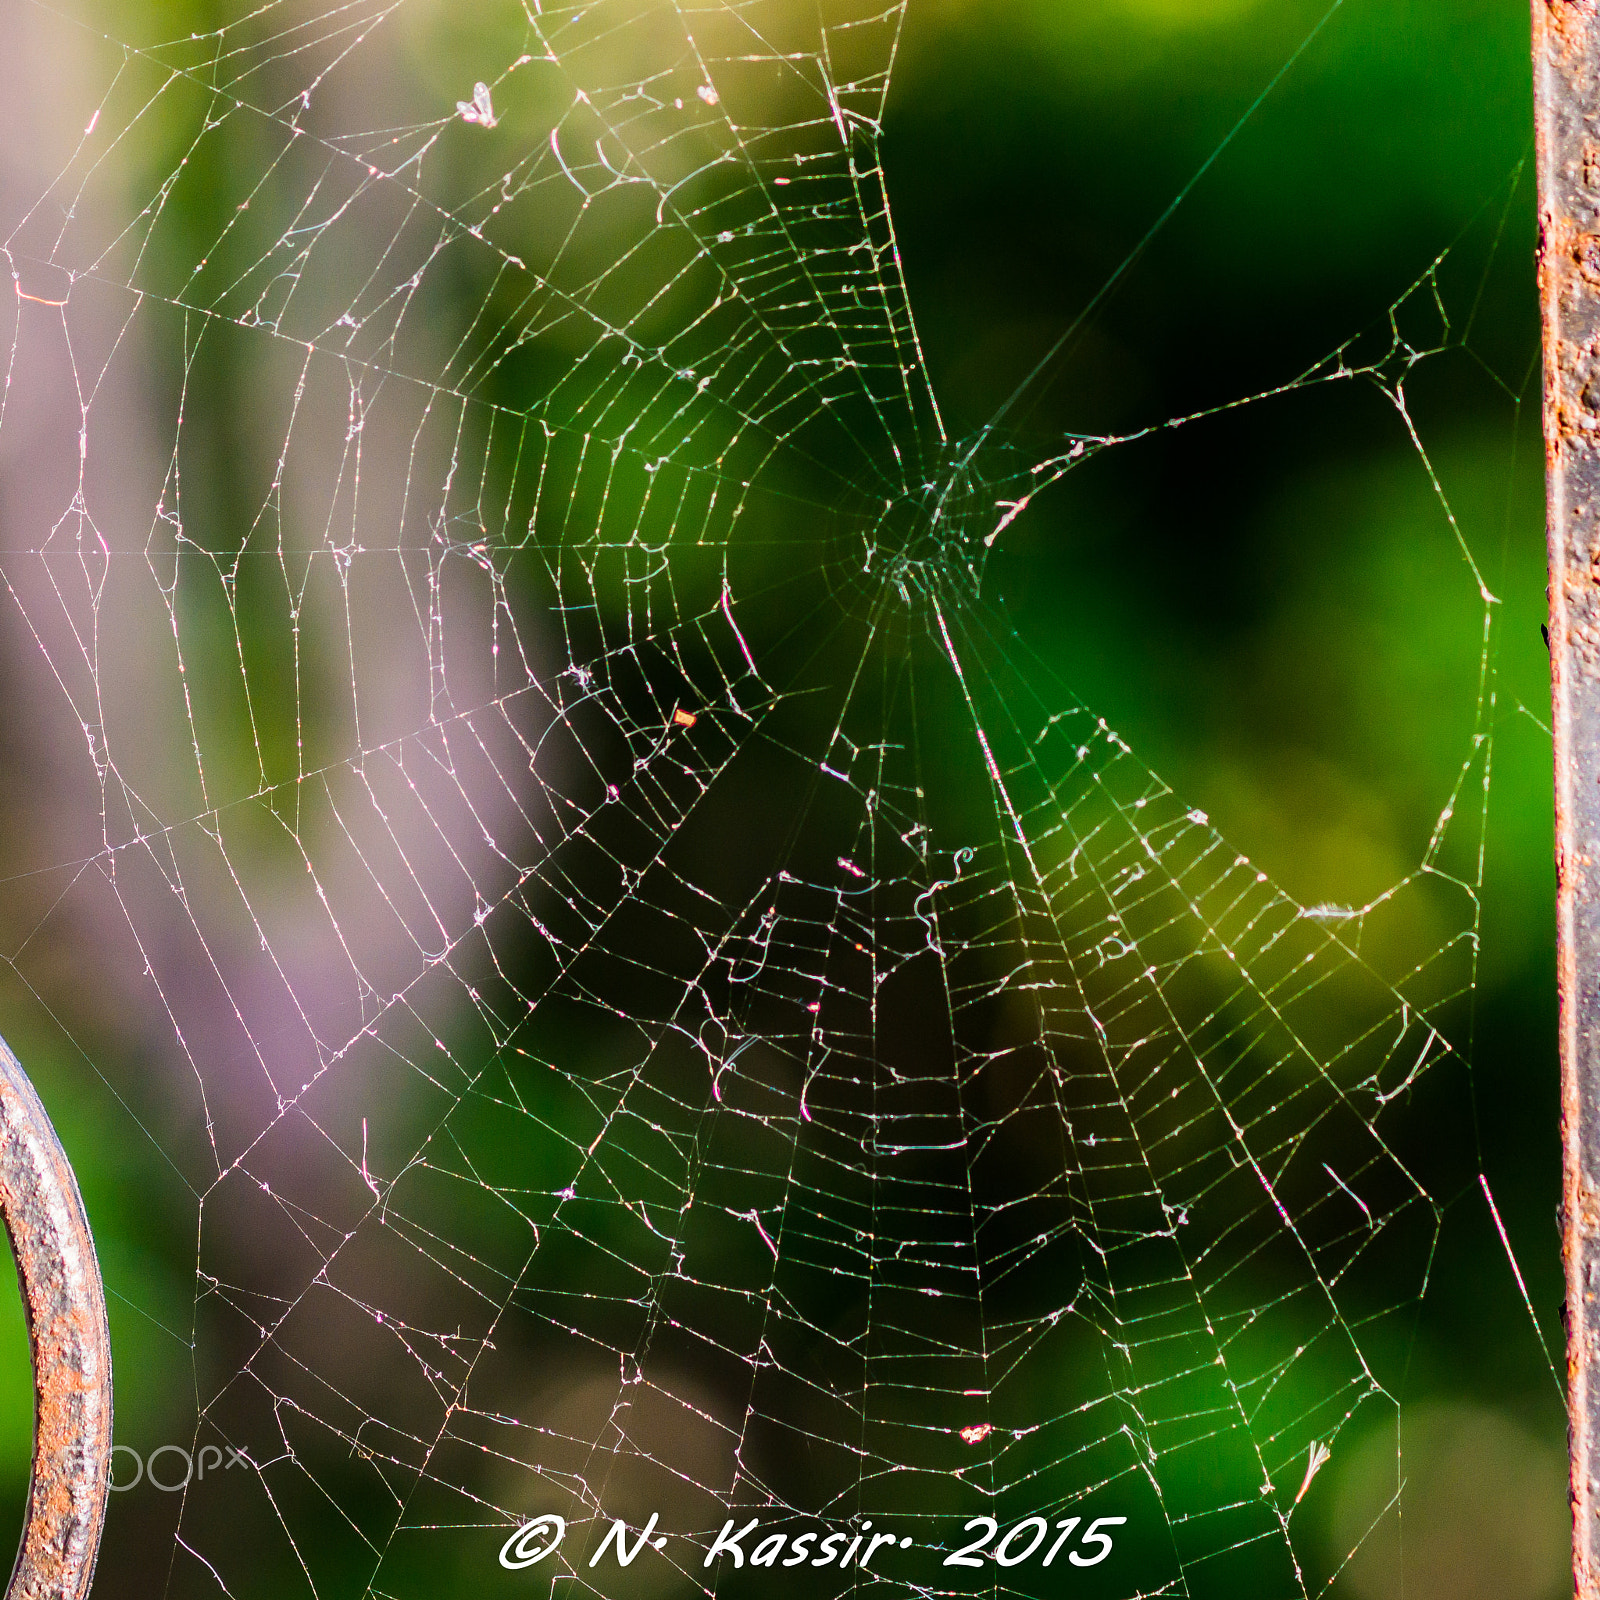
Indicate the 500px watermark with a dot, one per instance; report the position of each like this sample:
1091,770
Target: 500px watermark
209,1458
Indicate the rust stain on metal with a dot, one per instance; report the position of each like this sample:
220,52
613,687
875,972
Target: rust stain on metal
1566,73
1564,22
65,1306
1585,249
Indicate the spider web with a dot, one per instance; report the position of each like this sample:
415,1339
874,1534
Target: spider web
666,1004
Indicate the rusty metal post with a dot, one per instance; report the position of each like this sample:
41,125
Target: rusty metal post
1566,81
65,1306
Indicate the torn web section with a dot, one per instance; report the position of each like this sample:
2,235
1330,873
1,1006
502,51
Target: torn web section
757,128
637,268
1230,1070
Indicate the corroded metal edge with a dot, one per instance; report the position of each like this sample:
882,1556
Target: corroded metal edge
64,1301
1566,82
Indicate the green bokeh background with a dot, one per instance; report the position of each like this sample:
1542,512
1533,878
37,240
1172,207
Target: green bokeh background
1268,604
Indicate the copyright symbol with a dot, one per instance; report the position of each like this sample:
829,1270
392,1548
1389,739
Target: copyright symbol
522,1549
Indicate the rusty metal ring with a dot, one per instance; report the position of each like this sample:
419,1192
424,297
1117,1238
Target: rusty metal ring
65,1304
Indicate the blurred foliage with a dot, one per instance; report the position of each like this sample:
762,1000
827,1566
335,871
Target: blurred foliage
1269,604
